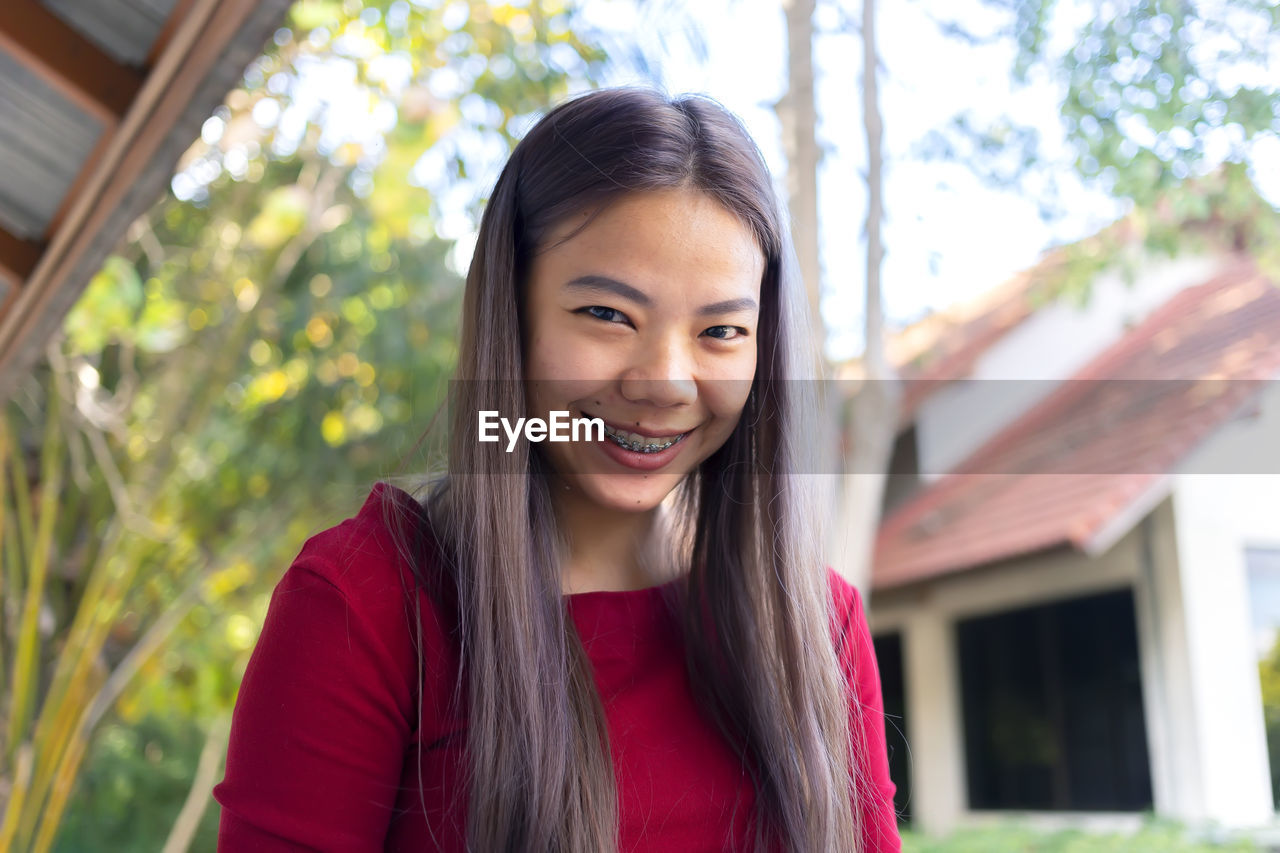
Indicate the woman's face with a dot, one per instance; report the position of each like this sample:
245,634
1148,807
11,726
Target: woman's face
646,319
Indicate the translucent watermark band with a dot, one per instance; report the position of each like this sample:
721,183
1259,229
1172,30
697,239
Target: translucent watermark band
966,427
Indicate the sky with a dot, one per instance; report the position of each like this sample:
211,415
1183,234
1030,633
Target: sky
947,237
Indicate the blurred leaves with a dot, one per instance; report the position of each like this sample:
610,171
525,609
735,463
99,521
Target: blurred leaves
1163,105
272,338
1269,677
107,309
281,218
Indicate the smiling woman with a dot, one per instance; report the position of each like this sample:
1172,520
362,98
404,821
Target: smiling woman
627,642
661,347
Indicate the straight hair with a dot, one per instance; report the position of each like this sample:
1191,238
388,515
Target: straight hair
753,598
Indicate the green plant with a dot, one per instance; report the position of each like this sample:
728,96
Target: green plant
1155,836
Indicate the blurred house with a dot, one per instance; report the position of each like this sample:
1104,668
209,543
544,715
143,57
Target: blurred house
98,100
1078,568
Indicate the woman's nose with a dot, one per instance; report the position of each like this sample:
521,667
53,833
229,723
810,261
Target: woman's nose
662,375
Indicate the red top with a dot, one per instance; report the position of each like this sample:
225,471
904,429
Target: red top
324,738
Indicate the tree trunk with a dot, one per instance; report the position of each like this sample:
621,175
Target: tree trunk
798,115
871,412
868,412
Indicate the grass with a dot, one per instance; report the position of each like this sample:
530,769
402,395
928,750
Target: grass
1155,836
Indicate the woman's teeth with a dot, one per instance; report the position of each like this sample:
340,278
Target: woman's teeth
637,443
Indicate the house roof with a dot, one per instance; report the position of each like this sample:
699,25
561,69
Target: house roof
945,346
98,100
1079,468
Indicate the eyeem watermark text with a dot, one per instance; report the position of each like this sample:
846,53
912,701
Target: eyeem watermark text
560,427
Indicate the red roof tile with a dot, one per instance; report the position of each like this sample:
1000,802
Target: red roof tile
1066,472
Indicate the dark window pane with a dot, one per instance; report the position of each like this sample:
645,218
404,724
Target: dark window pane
1052,705
889,661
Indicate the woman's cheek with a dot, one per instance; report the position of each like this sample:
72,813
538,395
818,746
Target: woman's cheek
726,393
551,363
581,356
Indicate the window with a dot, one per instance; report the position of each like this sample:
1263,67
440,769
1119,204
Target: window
889,662
1052,705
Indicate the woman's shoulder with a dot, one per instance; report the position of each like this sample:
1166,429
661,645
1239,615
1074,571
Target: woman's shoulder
857,655
846,601
336,689
359,548
377,556
849,625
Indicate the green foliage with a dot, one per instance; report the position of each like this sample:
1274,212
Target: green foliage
107,309
281,218
1269,677
1163,103
135,781
277,337
326,301
1155,836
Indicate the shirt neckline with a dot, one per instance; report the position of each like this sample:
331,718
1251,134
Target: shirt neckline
620,594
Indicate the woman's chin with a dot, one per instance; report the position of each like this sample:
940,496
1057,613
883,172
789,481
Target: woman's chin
626,492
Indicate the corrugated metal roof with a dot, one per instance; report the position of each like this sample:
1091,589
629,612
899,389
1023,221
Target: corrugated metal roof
98,100
125,29
44,141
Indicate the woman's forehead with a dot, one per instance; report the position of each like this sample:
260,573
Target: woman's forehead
660,235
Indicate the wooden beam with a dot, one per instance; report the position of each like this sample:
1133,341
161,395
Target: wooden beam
18,257
67,61
203,60
181,9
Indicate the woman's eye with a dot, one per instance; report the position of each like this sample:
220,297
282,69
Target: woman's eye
608,315
725,333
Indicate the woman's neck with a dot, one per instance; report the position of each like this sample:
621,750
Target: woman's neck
607,549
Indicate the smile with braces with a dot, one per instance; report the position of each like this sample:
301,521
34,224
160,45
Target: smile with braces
637,443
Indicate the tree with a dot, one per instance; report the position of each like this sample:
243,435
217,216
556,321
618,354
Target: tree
1164,105
220,376
865,404
871,413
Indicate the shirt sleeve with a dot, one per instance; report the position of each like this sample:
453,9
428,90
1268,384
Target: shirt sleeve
319,728
876,789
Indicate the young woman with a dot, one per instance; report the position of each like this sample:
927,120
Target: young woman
627,641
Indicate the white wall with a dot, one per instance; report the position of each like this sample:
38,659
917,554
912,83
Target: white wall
1167,688
1218,516
1030,361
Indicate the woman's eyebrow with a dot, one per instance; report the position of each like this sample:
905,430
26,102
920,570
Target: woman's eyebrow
729,306
605,284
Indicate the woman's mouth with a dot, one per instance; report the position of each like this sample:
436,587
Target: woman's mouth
637,443
648,451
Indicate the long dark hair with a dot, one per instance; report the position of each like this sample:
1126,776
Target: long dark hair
754,597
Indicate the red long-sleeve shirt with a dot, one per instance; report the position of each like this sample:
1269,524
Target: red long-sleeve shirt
324,737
